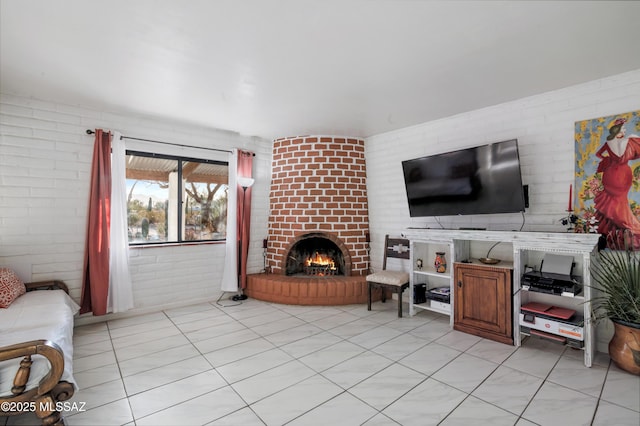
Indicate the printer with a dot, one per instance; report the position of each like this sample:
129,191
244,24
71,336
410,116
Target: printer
554,277
552,283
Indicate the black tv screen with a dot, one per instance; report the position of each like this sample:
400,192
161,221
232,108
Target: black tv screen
480,180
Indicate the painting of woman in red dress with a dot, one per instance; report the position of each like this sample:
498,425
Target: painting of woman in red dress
607,176
612,208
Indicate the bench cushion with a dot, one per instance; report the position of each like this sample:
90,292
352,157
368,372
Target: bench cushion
11,287
43,314
389,277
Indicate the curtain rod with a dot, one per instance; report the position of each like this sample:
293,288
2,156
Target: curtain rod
91,132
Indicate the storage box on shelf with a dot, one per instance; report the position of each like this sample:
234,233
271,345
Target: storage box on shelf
524,249
551,322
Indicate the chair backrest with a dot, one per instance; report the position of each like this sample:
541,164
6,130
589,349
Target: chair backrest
395,247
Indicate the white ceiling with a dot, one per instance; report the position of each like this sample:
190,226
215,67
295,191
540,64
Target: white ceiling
282,68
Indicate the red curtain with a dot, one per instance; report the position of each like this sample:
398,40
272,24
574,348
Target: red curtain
245,165
95,285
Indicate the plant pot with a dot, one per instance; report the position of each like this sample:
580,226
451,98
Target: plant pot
624,347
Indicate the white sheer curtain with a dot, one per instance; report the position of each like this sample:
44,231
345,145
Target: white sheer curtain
230,274
120,297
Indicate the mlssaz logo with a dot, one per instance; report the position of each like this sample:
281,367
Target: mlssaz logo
61,406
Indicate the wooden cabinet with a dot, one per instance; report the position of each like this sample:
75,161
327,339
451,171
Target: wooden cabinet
483,301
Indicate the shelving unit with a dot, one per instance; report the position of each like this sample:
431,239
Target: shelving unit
526,248
531,255
426,251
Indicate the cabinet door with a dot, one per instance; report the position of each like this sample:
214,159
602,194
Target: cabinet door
483,302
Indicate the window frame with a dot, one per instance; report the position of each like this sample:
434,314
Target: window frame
180,160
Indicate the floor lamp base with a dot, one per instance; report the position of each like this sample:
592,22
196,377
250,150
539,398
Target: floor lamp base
234,298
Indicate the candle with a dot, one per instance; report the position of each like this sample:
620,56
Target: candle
570,198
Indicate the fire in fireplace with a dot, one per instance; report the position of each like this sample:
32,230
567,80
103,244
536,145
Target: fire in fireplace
320,265
315,256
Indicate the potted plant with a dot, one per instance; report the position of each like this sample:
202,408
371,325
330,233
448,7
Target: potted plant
616,279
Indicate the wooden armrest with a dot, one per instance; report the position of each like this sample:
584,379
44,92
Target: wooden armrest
42,398
46,348
47,285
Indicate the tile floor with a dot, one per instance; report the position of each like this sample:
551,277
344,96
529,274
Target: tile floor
267,364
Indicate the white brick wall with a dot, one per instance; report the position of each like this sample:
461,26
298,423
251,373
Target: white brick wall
45,162
45,165
544,127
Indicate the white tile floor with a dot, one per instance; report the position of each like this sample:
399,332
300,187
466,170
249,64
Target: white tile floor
269,364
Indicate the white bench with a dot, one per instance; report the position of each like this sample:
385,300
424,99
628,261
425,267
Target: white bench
36,352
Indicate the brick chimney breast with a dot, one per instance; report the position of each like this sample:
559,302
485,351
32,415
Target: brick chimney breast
318,186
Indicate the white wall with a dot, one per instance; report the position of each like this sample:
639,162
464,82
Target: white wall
45,162
544,127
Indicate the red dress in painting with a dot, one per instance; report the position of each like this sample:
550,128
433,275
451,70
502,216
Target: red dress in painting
612,204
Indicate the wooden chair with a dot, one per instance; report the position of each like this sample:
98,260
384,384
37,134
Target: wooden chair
396,281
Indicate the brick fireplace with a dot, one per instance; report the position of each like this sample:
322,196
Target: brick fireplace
318,190
318,185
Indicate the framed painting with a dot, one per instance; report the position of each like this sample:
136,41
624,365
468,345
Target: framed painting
607,175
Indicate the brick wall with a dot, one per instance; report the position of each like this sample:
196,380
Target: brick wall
318,185
45,164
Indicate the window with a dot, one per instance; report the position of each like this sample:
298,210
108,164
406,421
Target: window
175,199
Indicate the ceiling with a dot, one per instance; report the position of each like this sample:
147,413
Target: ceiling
283,68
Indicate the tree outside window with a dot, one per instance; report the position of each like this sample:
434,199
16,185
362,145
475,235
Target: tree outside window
174,199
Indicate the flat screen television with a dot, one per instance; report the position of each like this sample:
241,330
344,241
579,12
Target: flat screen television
480,180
